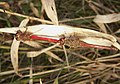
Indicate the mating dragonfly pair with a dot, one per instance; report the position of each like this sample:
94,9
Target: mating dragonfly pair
68,35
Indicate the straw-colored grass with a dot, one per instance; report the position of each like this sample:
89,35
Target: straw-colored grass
77,65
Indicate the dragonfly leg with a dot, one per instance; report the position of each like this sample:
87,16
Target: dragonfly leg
62,40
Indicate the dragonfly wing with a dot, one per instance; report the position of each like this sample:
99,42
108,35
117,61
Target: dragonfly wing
57,31
97,41
48,30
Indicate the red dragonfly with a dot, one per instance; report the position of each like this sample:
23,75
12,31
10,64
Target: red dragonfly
68,35
71,36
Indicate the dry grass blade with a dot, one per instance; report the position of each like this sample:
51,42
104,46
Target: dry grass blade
36,53
41,81
32,43
14,54
116,45
31,77
66,56
35,11
24,22
56,81
49,6
102,27
25,16
53,56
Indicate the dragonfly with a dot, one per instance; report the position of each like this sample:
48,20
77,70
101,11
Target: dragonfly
60,35
65,35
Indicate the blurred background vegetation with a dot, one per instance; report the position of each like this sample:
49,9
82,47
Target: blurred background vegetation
88,65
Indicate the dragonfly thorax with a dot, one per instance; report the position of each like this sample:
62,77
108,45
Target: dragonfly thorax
23,36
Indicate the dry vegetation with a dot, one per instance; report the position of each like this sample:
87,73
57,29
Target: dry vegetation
86,65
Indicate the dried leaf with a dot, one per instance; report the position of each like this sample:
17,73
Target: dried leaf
117,45
32,43
41,81
53,56
102,27
36,53
101,19
5,5
14,54
35,11
56,81
107,18
23,2
118,31
49,6
24,22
